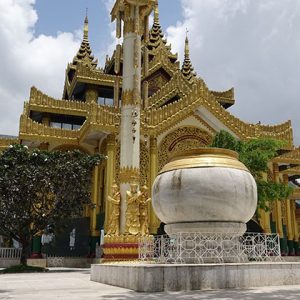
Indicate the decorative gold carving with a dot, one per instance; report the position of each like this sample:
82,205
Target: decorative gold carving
39,101
128,27
205,158
35,131
121,251
162,60
157,82
181,139
124,175
132,211
225,96
100,118
129,174
115,199
6,142
175,86
129,98
162,118
91,95
205,124
292,157
296,194
292,171
121,239
144,211
144,164
86,75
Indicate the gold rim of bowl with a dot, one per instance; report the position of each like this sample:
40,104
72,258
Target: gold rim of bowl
205,158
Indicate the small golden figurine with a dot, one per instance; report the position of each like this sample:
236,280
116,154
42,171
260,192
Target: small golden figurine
115,200
143,201
132,212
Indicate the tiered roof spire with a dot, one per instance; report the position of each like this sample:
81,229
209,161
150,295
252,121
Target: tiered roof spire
187,67
156,34
84,55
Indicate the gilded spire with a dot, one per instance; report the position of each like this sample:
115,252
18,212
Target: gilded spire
156,35
86,27
187,68
156,13
187,47
84,55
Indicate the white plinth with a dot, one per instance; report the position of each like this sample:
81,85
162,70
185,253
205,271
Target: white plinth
158,278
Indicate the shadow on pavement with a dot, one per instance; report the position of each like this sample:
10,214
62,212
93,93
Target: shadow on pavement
271,294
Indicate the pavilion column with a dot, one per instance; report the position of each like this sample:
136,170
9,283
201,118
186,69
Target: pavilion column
290,231
296,230
154,221
116,92
265,216
94,208
109,175
294,226
278,211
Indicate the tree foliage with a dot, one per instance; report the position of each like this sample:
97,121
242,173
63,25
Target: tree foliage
256,155
38,188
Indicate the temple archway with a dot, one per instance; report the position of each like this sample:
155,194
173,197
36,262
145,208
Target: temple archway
179,140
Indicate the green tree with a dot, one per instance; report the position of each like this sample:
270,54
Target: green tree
38,188
256,154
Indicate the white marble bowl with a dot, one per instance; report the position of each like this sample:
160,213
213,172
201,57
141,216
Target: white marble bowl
205,190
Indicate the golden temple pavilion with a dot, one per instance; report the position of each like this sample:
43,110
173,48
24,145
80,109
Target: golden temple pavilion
139,108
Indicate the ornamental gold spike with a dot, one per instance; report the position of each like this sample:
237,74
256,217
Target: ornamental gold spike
187,46
187,68
156,13
86,27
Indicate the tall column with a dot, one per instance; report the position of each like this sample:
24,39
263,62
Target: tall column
134,15
294,226
278,211
154,222
95,234
290,233
265,216
94,229
296,230
110,173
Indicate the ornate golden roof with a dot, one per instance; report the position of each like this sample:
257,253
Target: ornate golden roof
292,157
292,171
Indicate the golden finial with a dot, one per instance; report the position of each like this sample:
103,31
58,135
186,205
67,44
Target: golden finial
156,12
187,47
86,26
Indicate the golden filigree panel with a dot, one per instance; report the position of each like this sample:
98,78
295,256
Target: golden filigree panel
144,164
129,174
184,138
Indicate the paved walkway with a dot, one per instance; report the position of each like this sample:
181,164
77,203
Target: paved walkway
76,285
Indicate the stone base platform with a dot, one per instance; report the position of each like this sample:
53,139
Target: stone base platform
159,278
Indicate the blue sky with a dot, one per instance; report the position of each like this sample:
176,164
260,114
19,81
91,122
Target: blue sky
68,15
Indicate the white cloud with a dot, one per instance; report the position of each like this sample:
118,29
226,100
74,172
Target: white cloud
28,60
251,45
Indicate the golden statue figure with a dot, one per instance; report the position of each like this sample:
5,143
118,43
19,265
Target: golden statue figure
143,201
132,212
115,200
